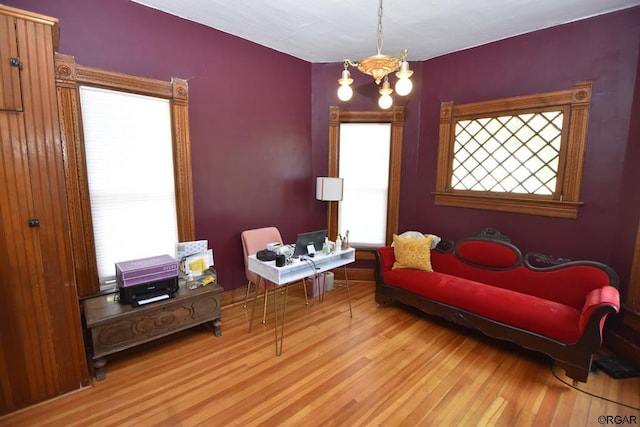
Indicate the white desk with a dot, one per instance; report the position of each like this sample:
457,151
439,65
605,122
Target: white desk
299,269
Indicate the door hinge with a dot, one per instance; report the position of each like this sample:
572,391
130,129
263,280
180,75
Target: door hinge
15,62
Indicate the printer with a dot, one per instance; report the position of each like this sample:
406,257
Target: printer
146,280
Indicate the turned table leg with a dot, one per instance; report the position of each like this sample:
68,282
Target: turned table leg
99,367
217,327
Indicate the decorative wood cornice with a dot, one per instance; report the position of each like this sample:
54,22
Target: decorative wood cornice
35,17
579,95
180,91
65,68
394,115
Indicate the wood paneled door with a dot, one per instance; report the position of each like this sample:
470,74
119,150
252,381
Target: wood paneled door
42,352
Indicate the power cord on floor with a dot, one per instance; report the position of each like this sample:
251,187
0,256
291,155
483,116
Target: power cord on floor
588,392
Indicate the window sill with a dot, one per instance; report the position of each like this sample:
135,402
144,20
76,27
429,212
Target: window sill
552,208
365,253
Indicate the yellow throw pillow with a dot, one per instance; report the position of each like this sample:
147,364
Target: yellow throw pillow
412,253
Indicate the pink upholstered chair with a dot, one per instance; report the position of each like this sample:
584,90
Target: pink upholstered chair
252,242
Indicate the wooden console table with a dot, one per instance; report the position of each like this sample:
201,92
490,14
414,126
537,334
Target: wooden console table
115,327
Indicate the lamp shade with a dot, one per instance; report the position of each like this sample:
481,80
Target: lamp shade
329,189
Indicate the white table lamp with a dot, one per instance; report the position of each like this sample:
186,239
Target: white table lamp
329,189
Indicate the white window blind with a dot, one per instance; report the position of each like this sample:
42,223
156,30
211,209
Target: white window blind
364,165
129,155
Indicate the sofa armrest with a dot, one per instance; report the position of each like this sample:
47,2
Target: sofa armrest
606,296
386,257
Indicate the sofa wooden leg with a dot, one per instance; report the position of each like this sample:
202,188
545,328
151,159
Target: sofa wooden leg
380,301
576,373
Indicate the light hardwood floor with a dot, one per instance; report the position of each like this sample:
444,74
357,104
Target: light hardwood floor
387,366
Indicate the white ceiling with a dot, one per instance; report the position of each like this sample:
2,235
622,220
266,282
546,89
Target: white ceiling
332,30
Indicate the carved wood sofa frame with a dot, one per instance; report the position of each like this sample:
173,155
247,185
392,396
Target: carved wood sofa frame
574,358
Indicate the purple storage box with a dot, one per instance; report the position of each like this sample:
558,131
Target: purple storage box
137,271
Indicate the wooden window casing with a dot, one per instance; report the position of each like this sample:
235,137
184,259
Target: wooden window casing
631,307
564,202
395,116
69,76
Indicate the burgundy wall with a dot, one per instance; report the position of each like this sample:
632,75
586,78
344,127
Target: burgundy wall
602,49
628,221
325,86
257,148
249,110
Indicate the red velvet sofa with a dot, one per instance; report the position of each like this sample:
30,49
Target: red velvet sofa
554,306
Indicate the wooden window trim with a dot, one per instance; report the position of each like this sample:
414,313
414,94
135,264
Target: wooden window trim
566,202
69,76
631,308
395,117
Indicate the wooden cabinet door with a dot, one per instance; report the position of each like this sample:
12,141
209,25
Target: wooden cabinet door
42,354
24,332
10,66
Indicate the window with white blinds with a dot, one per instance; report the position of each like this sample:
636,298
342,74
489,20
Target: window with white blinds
129,158
364,165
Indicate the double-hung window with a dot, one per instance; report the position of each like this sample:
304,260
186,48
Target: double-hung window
364,166
129,158
365,148
127,168
521,154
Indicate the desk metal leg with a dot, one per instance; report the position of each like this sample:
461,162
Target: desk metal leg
304,286
279,340
266,295
284,314
346,279
255,299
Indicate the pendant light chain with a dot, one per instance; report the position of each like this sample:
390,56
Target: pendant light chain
379,38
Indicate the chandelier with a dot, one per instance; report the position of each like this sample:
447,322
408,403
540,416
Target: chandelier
379,66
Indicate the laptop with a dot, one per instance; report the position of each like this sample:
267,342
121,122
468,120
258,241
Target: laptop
304,239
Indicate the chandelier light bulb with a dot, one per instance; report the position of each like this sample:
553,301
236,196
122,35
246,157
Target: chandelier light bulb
385,91
403,87
345,92
385,102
